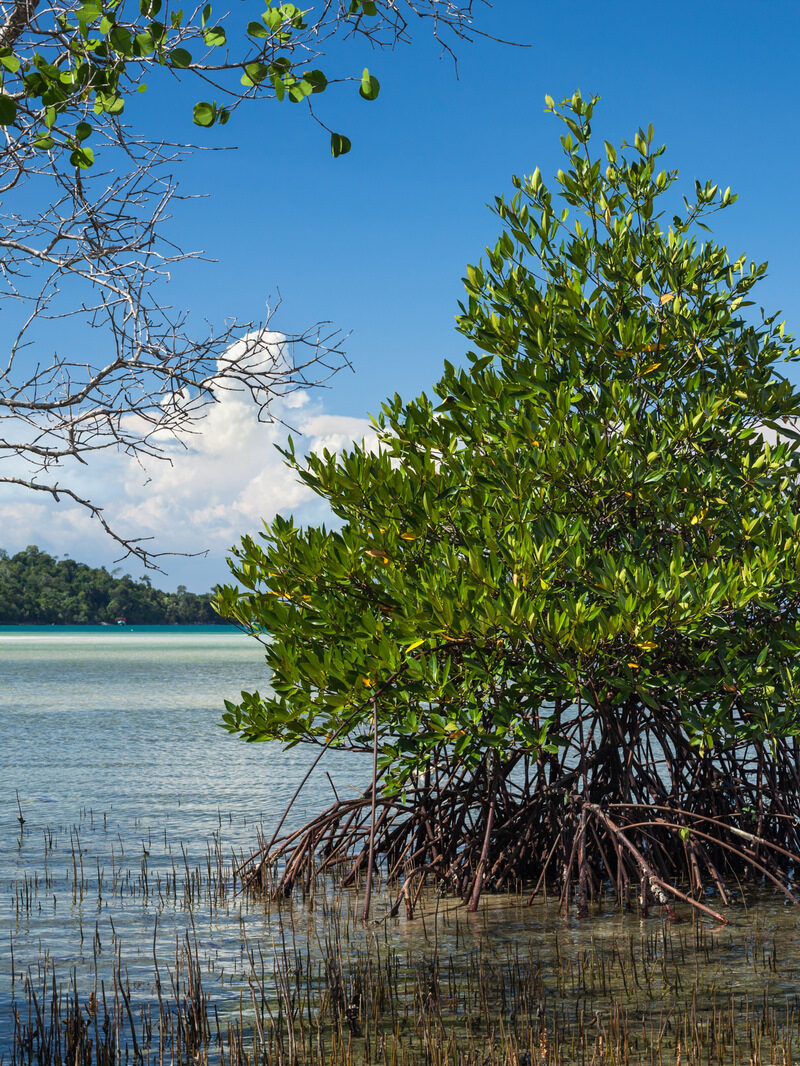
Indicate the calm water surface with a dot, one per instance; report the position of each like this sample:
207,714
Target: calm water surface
125,721
110,738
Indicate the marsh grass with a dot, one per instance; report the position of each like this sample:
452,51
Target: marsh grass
305,982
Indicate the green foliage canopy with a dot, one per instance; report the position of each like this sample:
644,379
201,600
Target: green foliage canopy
603,506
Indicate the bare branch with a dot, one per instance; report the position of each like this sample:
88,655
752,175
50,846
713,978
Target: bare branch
83,275
131,376
132,546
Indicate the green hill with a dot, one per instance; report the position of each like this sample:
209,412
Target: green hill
37,589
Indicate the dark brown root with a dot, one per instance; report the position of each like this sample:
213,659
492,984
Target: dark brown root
634,805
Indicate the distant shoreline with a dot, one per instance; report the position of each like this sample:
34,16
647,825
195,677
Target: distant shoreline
41,590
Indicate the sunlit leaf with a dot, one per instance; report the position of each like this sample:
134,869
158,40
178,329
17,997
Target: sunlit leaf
370,86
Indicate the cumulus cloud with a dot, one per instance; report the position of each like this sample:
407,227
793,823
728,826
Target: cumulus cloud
230,475
217,484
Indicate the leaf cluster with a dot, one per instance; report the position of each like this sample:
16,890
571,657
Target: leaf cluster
67,69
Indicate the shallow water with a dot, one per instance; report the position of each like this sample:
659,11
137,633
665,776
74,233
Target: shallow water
110,737
125,721
135,802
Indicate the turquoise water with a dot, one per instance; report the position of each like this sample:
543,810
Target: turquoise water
109,735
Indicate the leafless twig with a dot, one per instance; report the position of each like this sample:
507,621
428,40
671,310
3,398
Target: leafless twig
95,260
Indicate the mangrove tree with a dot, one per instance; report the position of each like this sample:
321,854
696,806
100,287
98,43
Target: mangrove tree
560,600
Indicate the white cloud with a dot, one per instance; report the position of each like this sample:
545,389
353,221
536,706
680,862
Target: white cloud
220,483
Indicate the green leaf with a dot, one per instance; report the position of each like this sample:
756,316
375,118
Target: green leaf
370,86
204,114
109,104
83,130
180,58
299,91
8,110
317,80
256,29
44,142
214,37
254,74
82,158
121,40
782,429
340,145
143,44
89,12
9,60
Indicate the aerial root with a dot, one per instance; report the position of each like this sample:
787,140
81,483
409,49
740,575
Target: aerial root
593,829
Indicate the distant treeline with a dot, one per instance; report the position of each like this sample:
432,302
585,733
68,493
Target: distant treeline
36,589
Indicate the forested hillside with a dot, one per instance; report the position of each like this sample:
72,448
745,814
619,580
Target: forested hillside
37,589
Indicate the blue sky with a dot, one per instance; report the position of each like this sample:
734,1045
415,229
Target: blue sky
377,241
